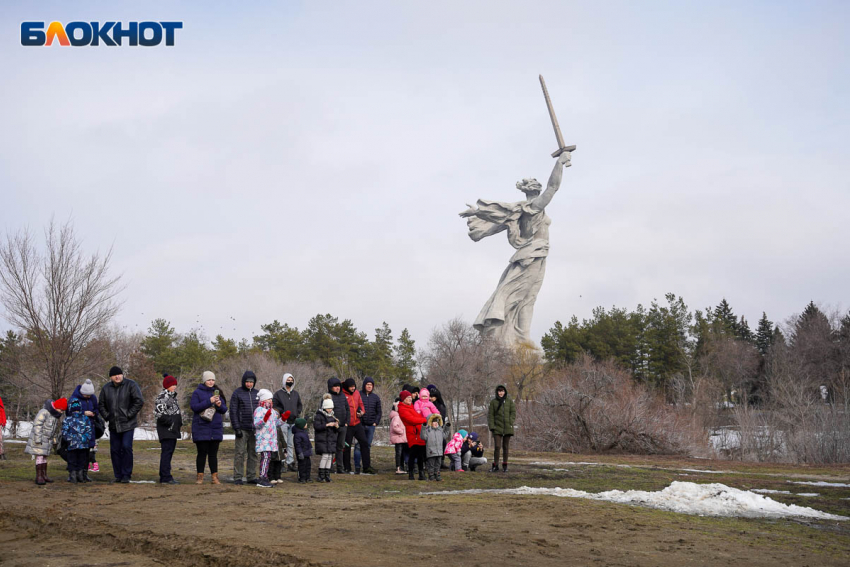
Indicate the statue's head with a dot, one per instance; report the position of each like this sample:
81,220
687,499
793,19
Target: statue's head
529,186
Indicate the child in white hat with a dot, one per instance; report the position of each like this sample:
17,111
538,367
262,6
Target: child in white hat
266,422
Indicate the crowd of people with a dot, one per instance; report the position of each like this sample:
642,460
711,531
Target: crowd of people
270,430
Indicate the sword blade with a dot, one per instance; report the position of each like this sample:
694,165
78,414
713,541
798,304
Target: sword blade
552,116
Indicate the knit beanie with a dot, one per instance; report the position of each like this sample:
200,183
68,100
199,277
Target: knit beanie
327,404
115,371
349,382
75,405
61,404
208,376
463,433
168,381
87,389
404,395
473,436
301,423
264,395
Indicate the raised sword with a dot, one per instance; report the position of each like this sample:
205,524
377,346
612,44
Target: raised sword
561,147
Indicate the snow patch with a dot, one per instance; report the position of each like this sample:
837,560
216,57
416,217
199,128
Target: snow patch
706,471
820,483
582,463
769,491
683,497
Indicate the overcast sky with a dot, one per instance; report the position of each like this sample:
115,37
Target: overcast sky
286,159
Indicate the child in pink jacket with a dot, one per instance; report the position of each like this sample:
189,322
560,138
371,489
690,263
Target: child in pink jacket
423,405
398,437
453,449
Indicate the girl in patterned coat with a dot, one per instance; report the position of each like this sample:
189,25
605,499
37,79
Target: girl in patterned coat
453,449
77,431
266,422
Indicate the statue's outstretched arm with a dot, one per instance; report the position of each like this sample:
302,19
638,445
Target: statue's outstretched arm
541,201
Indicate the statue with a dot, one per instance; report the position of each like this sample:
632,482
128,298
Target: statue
507,314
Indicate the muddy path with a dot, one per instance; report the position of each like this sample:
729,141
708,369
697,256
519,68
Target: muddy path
385,520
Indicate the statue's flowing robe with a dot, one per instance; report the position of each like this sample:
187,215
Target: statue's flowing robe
507,314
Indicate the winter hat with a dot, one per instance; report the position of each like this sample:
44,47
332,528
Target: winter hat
115,371
404,395
327,404
473,436
424,394
61,404
75,406
435,417
168,381
463,433
349,382
264,395
288,375
301,423
208,376
87,389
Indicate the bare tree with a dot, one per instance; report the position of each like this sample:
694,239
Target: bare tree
60,299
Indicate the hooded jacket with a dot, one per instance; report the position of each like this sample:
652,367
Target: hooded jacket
341,410
413,422
45,431
119,404
423,405
355,403
471,444
169,420
302,443
501,414
243,402
454,445
284,401
203,430
76,427
372,413
397,431
89,404
325,437
433,437
439,403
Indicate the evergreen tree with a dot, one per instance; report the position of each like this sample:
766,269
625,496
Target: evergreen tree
563,344
405,357
380,364
744,332
283,342
764,334
725,321
224,348
159,345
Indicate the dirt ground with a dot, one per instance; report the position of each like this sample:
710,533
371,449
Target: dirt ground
386,520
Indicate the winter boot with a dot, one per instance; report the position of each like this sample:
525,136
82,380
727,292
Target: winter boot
215,478
80,478
39,476
504,467
494,468
327,475
200,478
410,474
72,477
44,473
421,474
84,474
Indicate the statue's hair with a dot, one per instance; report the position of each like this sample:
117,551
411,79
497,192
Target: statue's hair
528,184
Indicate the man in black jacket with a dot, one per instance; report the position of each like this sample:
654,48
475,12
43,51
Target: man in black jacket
371,418
119,403
343,413
243,402
288,399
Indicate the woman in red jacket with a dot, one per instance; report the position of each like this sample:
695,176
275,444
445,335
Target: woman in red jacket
412,425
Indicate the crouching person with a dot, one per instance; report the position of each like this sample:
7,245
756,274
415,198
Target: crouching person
472,453
453,449
77,432
303,449
266,422
326,428
44,435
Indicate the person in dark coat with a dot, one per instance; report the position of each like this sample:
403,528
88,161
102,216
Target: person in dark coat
371,418
303,450
287,399
326,429
120,403
207,435
169,420
88,401
437,400
472,453
243,403
343,413
500,420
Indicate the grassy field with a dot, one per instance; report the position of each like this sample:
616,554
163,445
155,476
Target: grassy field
387,520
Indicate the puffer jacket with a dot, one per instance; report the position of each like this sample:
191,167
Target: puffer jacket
76,427
341,410
501,415
423,405
169,420
454,445
284,401
302,443
372,413
266,431
203,430
412,423
243,402
44,434
433,436
325,437
397,432
88,404
119,404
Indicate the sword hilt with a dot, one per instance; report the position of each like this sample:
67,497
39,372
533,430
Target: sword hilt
562,150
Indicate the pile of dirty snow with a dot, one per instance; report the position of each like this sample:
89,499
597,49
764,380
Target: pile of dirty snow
683,497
